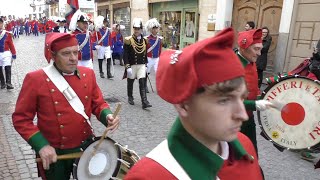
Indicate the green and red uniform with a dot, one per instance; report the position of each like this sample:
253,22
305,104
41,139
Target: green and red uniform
199,162
58,125
251,77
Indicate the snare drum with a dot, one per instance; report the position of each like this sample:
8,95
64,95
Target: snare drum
295,123
110,161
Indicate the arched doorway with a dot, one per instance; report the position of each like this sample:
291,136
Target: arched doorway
263,13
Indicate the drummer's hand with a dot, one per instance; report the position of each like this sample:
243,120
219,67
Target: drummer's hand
48,155
113,123
262,105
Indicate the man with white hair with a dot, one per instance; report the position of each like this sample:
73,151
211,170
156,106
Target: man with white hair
135,59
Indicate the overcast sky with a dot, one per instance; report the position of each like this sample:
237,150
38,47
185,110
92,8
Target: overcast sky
15,7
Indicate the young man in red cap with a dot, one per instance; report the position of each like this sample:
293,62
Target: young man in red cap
63,96
204,141
250,45
7,55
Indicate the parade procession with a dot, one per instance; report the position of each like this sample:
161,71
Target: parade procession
225,90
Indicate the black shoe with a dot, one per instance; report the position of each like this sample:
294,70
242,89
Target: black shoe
130,100
9,86
110,76
102,75
146,104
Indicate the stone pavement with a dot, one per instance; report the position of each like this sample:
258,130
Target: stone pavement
140,129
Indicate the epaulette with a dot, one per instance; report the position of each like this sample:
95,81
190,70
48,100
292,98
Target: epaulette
146,39
127,40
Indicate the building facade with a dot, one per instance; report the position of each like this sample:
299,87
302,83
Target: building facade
300,34
117,12
293,24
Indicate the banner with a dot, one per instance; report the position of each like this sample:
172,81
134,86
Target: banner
72,7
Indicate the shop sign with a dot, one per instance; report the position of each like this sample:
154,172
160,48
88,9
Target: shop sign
211,22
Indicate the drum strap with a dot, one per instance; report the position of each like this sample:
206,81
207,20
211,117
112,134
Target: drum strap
60,82
163,156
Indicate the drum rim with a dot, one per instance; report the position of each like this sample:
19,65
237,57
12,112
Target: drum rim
264,92
115,173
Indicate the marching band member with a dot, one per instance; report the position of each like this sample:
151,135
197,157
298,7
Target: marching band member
27,27
79,27
35,27
49,25
117,44
154,46
61,28
250,45
9,25
7,54
204,141
62,128
103,45
135,59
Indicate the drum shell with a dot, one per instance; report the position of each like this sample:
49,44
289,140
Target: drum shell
120,169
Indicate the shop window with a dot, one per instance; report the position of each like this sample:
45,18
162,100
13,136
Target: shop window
122,16
190,24
170,28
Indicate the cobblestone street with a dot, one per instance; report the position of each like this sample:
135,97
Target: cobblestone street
140,129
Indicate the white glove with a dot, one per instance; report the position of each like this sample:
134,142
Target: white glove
97,47
129,73
262,105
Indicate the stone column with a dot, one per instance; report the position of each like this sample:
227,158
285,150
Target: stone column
224,14
206,7
111,14
284,42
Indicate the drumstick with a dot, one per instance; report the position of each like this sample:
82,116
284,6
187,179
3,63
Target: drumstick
65,156
95,148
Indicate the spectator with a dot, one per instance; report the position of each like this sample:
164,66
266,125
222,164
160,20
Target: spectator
263,58
250,25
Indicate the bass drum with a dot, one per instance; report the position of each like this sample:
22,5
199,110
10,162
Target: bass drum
294,123
110,161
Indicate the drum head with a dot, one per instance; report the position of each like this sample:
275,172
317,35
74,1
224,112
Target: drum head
100,165
294,124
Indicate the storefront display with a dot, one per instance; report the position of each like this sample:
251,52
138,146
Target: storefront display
170,28
122,16
179,22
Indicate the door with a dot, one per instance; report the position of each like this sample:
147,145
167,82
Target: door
189,30
263,13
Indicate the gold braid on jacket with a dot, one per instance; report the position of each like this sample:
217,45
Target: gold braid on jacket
138,47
